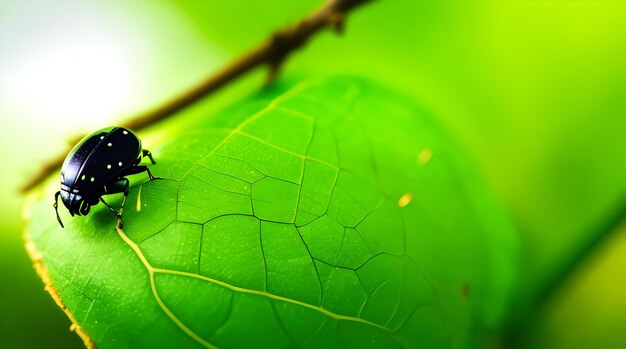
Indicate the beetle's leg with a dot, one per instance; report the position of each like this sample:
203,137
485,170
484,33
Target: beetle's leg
118,214
142,168
125,195
120,186
56,207
149,155
150,173
109,206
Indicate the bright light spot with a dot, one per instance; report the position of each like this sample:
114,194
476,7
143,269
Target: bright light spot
138,207
77,75
424,156
405,200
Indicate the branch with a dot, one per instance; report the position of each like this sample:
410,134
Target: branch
272,52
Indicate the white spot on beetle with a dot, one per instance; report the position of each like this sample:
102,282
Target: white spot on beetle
109,166
110,144
125,132
101,137
119,163
83,177
92,179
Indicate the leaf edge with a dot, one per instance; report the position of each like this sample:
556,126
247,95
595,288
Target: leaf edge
43,274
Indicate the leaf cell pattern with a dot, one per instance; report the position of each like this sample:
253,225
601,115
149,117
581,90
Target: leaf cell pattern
306,228
283,231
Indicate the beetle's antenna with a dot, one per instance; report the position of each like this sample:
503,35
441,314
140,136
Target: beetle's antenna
56,205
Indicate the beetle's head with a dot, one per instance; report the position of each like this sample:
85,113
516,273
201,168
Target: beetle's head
74,202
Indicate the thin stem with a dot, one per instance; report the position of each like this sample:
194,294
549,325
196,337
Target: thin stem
272,52
523,319
597,237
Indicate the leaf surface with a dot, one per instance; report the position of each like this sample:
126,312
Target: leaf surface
336,215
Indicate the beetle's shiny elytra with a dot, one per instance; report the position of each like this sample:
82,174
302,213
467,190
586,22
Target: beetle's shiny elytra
97,166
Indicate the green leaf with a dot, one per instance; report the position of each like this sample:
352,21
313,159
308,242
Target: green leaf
336,215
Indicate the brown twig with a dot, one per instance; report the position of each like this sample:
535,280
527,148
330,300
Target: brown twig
271,52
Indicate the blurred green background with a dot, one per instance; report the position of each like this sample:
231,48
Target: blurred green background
536,90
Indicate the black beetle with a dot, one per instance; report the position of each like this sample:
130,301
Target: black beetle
97,166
